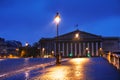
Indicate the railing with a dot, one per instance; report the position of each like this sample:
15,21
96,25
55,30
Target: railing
114,59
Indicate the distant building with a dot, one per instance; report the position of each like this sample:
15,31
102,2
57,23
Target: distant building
9,47
79,43
13,46
111,44
3,46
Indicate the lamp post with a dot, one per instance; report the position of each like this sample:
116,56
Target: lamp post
26,49
26,44
57,21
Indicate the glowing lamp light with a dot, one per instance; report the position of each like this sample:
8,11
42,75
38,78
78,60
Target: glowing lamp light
100,49
52,52
87,48
43,49
26,44
70,54
57,19
77,35
88,54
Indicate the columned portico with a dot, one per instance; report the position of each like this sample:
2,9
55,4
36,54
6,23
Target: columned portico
77,47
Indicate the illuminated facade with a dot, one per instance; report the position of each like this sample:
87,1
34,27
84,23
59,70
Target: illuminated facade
76,44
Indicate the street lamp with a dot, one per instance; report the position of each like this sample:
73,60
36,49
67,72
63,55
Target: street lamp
26,44
57,21
26,49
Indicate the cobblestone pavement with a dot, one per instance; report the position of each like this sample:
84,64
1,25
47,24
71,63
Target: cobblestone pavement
81,69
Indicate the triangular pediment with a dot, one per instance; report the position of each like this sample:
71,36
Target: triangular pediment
78,34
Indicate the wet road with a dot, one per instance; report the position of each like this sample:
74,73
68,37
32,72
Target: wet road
81,69
23,68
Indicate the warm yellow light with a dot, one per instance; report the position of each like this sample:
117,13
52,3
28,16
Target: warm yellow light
79,60
59,74
100,49
56,73
43,49
63,72
57,19
87,48
10,56
77,35
52,52
17,49
22,53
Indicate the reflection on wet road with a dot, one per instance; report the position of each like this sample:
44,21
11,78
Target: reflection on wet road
81,69
23,68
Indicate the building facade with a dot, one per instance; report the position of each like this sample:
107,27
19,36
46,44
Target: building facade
76,44
9,47
3,46
111,44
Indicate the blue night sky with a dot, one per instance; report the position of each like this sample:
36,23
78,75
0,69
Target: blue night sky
30,20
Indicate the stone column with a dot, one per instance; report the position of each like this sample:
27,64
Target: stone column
92,49
71,48
88,45
67,50
96,48
75,49
63,48
80,49
84,49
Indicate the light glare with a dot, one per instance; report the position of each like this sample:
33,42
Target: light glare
57,19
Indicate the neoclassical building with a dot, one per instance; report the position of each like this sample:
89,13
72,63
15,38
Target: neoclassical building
78,44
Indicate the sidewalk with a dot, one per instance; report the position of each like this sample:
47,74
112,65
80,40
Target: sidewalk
81,69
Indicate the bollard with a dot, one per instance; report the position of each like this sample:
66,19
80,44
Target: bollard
58,59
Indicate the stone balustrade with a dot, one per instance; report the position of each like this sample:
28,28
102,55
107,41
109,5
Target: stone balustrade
114,59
